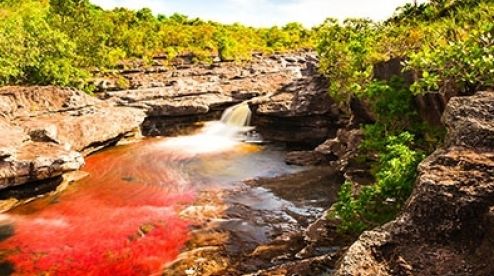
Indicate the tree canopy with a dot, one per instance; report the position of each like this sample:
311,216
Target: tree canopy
60,41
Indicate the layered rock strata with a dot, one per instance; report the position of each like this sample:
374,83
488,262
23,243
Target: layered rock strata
446,225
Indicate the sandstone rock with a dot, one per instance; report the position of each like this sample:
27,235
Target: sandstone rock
82,129
300,112
303,130
12,138
176,108
299,103
45,130
28,101
470,121
445,226
344,145
300,98
38,161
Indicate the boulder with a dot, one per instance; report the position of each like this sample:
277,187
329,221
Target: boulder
445,227
45,131
36,161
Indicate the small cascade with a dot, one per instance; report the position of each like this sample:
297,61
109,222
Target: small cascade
222,135
237,116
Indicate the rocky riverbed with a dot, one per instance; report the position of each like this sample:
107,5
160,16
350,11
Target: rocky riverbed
47,132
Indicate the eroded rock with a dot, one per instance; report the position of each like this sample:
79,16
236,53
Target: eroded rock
288,97
45,130
444,227
38,161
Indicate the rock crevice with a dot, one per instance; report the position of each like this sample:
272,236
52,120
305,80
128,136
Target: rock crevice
445,226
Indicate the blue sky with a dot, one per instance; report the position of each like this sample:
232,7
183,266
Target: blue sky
265,12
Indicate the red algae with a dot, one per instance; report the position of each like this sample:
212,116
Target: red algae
122,220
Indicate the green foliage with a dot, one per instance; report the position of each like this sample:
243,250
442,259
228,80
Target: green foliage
58,42
392,103
448,45
346,55
378,203
448,42
32,51
462,65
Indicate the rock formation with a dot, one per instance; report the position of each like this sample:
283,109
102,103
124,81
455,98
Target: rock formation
46,130
285,90
446,225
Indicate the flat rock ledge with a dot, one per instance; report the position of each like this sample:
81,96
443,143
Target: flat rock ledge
194,89
447,224
47,130
288,97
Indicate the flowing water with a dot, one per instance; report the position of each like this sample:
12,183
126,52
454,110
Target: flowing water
145,203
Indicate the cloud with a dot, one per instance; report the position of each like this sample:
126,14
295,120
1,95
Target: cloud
266,12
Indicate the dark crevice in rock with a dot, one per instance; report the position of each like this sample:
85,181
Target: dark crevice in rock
31,189
170,126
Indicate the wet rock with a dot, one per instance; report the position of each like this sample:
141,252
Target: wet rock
446,222
306,158
320,265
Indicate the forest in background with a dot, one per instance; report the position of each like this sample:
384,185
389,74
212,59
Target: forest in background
447,45
61,41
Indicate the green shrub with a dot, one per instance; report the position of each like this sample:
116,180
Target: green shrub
32,51
461,65
59,42
360,208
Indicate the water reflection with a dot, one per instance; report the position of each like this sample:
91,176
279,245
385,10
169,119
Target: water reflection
124,219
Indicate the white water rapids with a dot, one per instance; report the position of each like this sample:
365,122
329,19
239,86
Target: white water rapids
217,136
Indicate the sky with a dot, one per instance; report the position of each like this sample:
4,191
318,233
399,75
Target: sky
263,13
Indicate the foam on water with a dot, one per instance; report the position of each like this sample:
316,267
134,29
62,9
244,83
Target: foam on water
217,136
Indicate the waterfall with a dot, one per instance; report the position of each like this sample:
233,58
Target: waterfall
217,136
237,116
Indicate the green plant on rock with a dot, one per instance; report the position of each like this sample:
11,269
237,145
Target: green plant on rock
392,103
360,208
